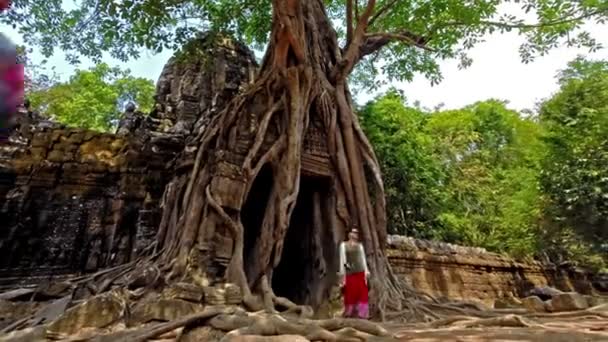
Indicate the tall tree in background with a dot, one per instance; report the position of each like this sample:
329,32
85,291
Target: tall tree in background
413,176
303,78
490,157
575,176
93,98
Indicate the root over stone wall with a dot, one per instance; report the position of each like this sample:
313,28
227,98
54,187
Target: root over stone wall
74,201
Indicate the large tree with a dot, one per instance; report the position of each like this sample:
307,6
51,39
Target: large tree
575,177
303,79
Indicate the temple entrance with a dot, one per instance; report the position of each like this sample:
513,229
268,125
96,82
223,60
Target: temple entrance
296,271
252,213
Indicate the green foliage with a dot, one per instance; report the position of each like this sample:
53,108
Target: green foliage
485,176
93,98
467,176
575,172
411,175
491,194
422,32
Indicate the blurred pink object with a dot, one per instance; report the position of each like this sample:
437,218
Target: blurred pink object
4,4
13,78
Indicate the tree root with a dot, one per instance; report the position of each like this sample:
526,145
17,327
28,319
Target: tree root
159,329
315,330
471,322
235,321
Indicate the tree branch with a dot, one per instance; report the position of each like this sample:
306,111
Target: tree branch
560,21
349,21
376,41
382,11
351,56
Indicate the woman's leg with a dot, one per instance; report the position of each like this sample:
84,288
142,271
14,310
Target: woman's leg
350,296
356,296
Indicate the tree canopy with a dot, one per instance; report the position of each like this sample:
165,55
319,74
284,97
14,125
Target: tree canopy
488,176
397,38
575,176
92,98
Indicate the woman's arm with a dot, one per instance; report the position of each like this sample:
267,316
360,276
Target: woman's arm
363,258
342,260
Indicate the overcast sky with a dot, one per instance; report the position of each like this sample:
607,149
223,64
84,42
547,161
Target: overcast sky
497,72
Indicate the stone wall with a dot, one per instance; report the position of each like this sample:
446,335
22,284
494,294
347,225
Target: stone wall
466,273
73,201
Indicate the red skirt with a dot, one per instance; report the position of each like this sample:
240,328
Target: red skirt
355,289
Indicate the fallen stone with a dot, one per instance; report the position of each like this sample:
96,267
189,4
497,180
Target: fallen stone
186,291
533,304
593,301
54,290
279,338
15,294
52,311
570,301
544,292
197,334
162,310
36,334
507,303
97,312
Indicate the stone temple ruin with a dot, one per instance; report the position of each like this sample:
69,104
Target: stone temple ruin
74,201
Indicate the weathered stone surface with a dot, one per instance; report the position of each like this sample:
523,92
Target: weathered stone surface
209,72
466,273
162,310
280,338
199,334
97,312
544,292
186,291
596,300
533,304
570,301
509,301
36,334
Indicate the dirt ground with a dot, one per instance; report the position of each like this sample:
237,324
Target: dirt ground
563,330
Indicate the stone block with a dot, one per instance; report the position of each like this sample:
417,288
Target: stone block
187,291
41,140
198,334
56,156
569,301
596,300
162,310
533,304
507,303
117,145
38,153
76,138
96,312
278,338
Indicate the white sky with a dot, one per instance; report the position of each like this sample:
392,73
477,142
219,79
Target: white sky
497,72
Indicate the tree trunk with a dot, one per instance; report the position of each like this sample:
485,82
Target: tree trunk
231,217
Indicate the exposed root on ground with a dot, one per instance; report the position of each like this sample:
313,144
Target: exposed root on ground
237,322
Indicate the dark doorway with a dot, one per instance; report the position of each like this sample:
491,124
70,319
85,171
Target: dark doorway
293,276
252,213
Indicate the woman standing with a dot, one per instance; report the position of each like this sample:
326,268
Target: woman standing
354,274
